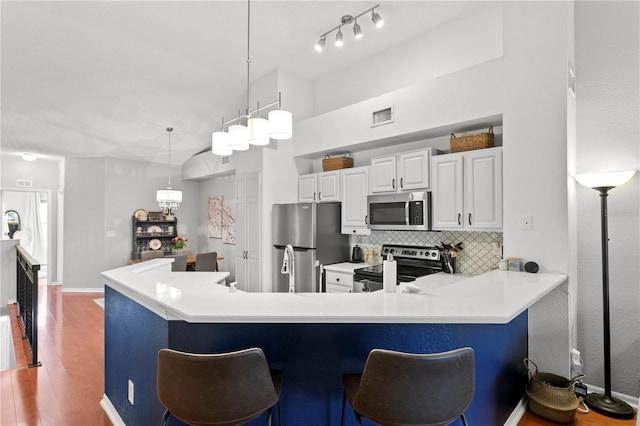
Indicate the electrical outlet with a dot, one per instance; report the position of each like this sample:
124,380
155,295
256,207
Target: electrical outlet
526,222
130,392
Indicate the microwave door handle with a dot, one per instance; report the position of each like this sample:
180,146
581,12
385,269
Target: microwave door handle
406,214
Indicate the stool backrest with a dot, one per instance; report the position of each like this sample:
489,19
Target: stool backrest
429,389
221,389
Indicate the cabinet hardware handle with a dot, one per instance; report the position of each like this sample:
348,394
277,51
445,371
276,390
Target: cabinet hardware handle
366,220
469,218
314,196
459,219
337,280
401,183
393,183
319,196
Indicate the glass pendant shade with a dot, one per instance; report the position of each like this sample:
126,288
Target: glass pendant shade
605,179
280,124
220,143
258,131
238,137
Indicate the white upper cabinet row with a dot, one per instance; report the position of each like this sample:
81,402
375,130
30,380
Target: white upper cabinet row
402,172
467,190
466,187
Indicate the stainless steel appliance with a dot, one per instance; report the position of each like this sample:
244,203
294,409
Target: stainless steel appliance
400,211
313,230
413,262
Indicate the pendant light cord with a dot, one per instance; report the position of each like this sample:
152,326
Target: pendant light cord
248,54
169,129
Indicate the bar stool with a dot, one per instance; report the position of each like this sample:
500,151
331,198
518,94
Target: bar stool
398,388
217,389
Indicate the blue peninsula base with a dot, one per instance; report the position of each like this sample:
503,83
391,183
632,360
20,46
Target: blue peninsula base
312,357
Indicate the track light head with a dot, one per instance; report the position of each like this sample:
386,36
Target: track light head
320,44
377,20
339,41
357,31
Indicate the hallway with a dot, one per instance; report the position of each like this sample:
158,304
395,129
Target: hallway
67,388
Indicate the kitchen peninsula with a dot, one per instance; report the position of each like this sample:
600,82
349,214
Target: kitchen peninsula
315,338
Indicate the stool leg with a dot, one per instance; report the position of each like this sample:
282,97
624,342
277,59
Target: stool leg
279,414
344,400
464,420
165,417
269,415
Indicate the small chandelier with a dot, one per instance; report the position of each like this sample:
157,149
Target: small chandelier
169,199
257,131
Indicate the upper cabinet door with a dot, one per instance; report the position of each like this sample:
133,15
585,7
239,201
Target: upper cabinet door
413,170
307,188
483,188
447,191
329,186
355,188
383,174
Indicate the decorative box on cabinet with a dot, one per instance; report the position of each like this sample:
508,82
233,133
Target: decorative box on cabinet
148,233
319,187
354,185
403,172
467,190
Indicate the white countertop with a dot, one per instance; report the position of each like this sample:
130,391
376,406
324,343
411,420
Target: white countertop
495,297
345,267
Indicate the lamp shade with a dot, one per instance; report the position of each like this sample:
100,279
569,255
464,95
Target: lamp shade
258,131
238,137
604,179
280,124
169,196
220,143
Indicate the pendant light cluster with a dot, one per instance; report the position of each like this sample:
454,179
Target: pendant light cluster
169,199
357,31
257,130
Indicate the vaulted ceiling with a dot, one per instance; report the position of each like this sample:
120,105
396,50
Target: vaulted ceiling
105,78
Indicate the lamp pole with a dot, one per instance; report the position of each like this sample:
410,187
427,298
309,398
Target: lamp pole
606,404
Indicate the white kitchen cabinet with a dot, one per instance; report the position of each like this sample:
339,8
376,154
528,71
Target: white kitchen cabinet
467,190
339,282
248,194
354,189
403,172
319,187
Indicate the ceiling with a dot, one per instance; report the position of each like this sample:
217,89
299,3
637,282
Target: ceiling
105,78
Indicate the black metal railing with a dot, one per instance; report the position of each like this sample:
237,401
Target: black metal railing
27,289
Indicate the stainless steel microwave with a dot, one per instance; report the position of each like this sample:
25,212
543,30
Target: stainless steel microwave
408,211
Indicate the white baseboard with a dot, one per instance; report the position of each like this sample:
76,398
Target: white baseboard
517,412
83,290
111,412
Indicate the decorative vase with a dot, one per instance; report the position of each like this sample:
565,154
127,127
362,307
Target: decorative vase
177,251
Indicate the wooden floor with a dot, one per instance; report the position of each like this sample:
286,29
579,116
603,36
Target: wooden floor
590,419
67,388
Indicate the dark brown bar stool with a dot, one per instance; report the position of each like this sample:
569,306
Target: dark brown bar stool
217,389
398,388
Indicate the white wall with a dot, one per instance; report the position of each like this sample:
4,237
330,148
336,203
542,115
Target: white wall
608,135
101,195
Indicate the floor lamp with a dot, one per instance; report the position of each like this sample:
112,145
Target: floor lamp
606,404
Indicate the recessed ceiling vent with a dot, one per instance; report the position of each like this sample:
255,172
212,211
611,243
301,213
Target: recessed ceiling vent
24,183
383,116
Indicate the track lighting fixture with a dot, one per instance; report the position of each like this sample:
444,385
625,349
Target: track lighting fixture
357,30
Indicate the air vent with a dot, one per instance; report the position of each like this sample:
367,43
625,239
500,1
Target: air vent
225,160
24,183
383,116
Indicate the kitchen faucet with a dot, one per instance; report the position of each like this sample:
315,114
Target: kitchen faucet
288,267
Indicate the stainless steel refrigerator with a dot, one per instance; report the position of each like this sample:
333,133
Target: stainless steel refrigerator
313,229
